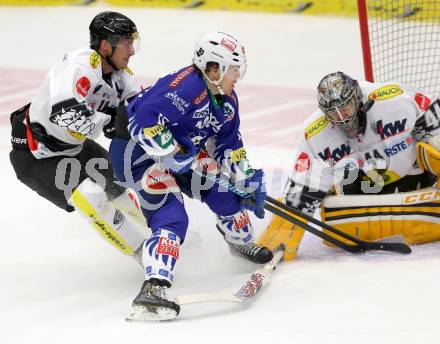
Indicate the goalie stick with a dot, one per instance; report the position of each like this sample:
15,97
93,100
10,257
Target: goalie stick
275,206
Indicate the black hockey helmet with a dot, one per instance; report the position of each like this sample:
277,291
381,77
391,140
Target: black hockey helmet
111,26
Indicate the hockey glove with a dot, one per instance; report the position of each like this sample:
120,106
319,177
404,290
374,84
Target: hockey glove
181,161
257,186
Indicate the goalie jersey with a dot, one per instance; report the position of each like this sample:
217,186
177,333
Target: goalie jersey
383,153
75,102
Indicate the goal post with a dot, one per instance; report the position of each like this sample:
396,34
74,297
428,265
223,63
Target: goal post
401,41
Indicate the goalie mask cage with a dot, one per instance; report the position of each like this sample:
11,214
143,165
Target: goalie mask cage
401,41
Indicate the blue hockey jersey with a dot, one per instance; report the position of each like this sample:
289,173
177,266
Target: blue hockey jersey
180,105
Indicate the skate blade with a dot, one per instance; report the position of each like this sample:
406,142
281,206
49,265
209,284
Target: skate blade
139,313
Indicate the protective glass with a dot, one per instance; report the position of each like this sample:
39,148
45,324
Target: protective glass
133,42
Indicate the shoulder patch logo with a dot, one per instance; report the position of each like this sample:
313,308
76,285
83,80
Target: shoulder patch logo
316,127
238,155
385,92
83,86
303,163
95,60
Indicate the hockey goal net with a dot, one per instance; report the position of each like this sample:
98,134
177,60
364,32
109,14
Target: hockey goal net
401,41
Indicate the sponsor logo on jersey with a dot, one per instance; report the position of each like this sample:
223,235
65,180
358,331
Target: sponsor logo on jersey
182,75
209,121
128,71
164,139
316,127
200,97
83,86
168,247
161,134
238,154
151,132
229,111
202,112
95,60
336,154
303,163
422,101
178,102
385,92
228,44
370,155
398,147
390,129
157,182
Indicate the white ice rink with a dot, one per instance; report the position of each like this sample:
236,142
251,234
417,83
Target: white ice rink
61,283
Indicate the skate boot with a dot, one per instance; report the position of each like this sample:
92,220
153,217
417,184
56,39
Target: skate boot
238,234
152,302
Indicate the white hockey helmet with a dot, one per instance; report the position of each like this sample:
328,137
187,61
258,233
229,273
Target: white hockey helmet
223,49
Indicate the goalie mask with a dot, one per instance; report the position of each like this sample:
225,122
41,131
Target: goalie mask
220,48
339,99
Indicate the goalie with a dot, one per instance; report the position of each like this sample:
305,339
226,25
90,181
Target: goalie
376,148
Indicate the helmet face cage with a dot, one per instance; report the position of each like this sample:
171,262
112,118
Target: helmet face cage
223,49
112,26
339,98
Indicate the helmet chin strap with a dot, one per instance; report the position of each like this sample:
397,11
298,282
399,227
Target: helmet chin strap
216,83
109,60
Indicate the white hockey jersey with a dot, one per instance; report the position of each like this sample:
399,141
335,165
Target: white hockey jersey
72,103
399,117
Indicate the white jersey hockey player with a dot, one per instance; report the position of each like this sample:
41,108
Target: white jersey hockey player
52,150
366,139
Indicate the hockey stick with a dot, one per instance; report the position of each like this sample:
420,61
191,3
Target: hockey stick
247,291
360,245
273,205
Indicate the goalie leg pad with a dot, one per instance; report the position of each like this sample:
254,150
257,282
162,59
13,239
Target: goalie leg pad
90,200
428,158
282,232
418,223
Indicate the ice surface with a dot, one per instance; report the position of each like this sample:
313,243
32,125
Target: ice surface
61,283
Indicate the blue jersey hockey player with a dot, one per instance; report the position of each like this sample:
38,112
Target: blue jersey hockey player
189,120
